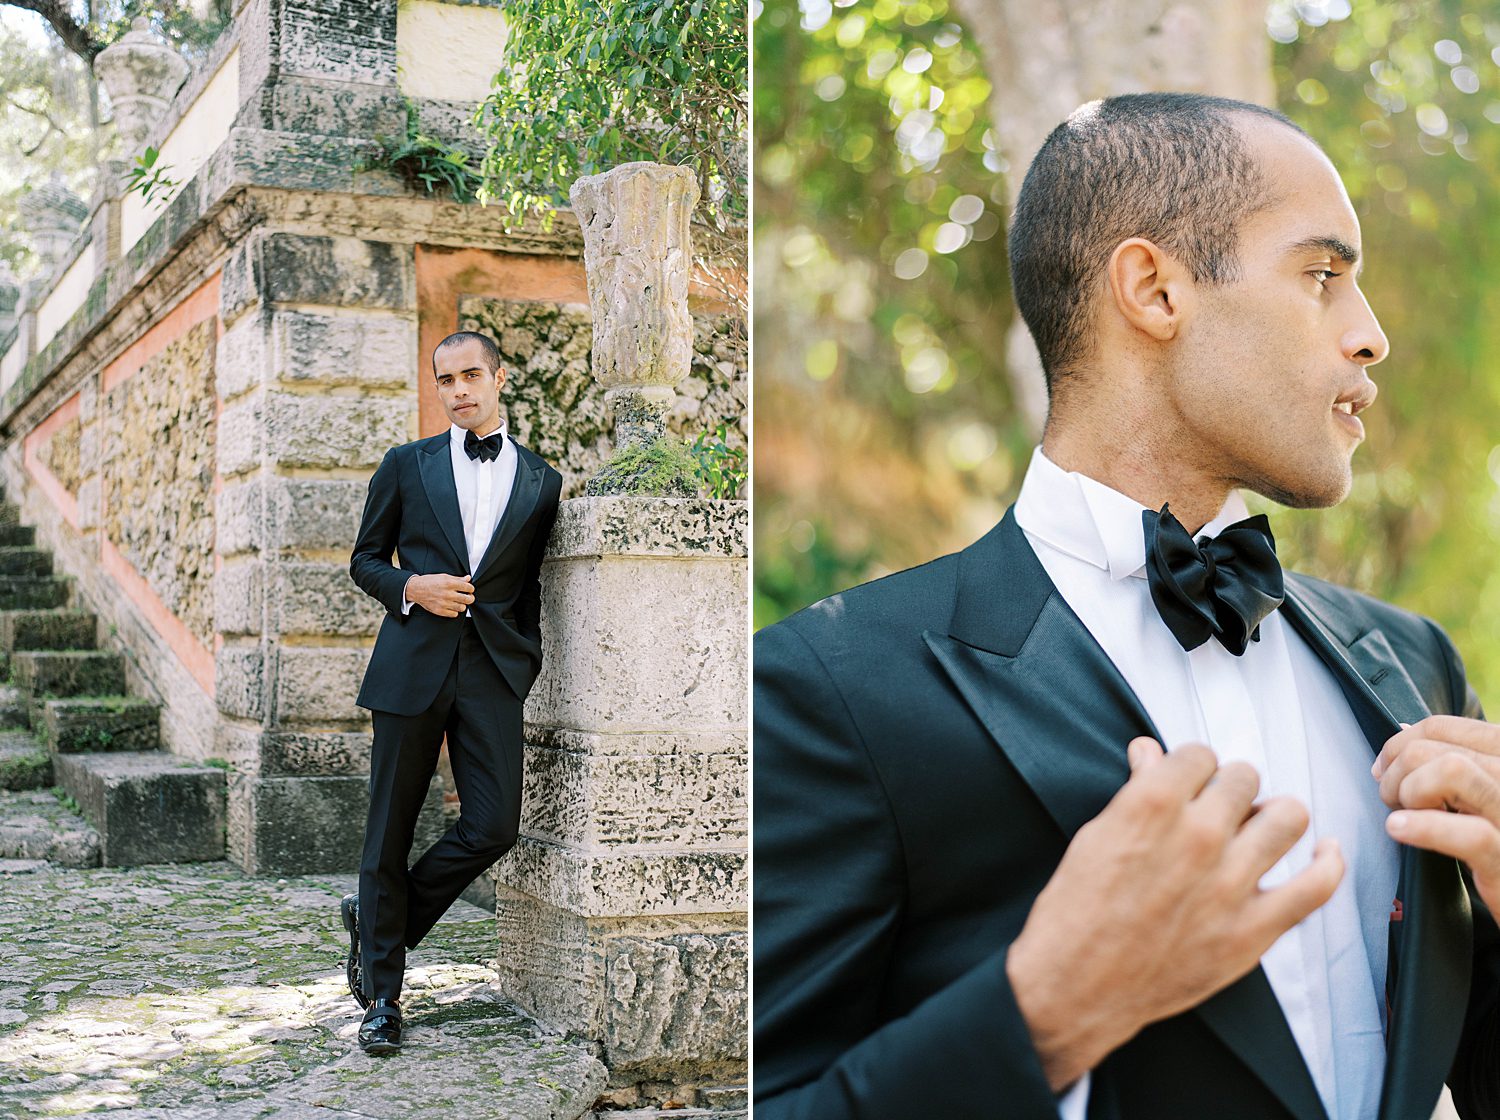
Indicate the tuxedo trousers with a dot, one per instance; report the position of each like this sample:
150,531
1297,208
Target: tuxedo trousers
482,719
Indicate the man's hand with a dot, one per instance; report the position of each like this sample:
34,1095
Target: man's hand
1156,904
1443,777
442,595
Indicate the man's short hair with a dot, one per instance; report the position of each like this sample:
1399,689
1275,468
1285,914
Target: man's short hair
490,353
1170,167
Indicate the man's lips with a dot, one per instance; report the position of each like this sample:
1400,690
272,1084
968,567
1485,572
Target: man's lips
462,407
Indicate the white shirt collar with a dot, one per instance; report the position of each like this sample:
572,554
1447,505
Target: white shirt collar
1086,519
457,433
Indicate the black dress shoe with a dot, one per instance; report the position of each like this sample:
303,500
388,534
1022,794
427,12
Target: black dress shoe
380,1033
349,910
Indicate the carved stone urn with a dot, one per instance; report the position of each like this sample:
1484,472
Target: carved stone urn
638,254
141,73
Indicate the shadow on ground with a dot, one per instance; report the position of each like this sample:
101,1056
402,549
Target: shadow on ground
194,990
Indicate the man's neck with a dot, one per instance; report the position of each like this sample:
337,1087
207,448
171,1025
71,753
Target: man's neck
1142,472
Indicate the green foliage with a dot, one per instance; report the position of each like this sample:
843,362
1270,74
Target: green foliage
425,162
723,468
663,468
218,763
68,801
585,85
150,179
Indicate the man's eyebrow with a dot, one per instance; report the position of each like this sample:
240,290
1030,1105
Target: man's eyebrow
1335,246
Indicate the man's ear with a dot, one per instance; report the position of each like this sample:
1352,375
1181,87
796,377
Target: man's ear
1150,288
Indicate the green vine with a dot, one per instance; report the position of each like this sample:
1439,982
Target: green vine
721,466
149,179
425,162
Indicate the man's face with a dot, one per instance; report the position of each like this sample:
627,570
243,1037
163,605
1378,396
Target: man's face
469,392
1262,361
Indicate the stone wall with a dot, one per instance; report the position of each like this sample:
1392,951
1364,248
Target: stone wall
622,909
60,453
555,407
157,452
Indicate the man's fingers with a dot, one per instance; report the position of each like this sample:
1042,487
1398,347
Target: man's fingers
1472,734
1414,753
1142,751
1230,793
1175,779
1267,836
1456,780
1472,839
1279,909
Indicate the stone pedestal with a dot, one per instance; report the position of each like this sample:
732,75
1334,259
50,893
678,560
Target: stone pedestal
622,910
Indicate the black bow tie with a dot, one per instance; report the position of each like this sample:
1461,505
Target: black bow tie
486,449
1221,587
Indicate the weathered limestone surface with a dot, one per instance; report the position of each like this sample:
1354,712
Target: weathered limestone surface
157,447
554,406
622,910
638,249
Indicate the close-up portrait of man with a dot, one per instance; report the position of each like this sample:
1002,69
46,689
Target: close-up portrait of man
1116,810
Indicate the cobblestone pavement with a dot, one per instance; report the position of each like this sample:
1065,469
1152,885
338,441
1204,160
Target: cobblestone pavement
193,990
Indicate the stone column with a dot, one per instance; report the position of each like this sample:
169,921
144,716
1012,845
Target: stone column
622,909
638,251
316,379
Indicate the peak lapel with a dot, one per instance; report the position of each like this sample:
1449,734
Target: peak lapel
436,463
1432,947
525,489
1061,712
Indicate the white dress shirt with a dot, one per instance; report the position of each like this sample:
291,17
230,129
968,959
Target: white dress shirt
1277,707
483,493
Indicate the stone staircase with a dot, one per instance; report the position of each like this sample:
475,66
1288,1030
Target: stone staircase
65,721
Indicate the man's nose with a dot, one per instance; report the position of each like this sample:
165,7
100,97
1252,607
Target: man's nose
1364,341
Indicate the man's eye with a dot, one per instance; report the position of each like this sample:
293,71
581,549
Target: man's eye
1325,274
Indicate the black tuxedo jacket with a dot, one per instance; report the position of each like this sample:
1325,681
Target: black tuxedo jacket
412,507
925,746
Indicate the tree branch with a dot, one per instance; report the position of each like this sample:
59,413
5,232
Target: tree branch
74,35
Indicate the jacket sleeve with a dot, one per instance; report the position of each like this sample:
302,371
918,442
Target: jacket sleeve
370,563
830,899
1475,1077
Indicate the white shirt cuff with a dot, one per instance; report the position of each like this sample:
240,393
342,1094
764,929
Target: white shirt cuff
405,602
1074,1104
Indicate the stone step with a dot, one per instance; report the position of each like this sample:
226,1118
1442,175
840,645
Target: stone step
14,707
148,806
35,824
97,723
24,763
22,592
17,534
68,672
52,628
25,560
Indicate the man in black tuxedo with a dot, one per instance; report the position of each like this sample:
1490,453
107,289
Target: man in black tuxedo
982,889
455,657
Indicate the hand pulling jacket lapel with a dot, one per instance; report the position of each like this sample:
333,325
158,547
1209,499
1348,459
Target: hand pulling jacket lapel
1431,945
436,464
1062,714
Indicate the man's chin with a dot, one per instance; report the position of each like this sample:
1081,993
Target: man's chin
1307,493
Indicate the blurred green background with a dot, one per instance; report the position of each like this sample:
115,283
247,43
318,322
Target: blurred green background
886,432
